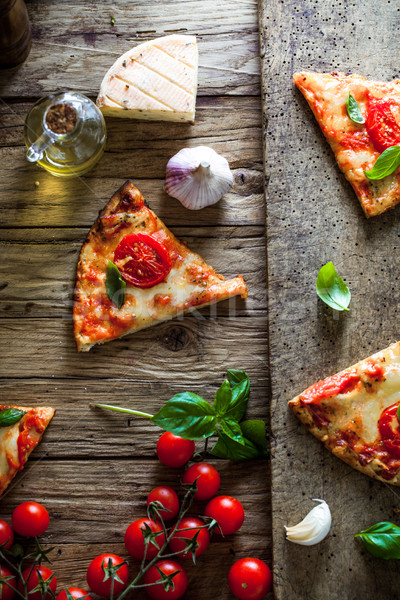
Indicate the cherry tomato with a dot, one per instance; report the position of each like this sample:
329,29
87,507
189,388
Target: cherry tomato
250,579
75,593
30,519
177,543
134,540
142,260
32,579
97,572
6,535
208,480
174,451
157,592
6,592
168,498
228,512
383,122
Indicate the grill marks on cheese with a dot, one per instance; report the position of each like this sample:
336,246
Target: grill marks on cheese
155,80
326,94
191,282
347,423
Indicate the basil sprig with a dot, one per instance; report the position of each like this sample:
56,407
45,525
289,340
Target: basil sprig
115,285
191,417
353,110
382,540
332,289
10,416
385,164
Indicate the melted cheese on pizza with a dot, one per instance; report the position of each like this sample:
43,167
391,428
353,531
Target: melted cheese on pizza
326,94
190,283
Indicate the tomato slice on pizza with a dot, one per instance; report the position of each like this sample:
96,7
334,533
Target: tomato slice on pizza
156,276
21,430
357,146
356,414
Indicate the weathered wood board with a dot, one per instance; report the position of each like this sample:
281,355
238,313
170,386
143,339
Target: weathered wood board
313,217
93,470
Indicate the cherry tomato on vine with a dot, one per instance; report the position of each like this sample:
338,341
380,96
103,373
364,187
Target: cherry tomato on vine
168,498
30,519
75,592
6,535
228,512
208,480
250,579
32,580
166,566
134,540
173,450
6,592
97,572
193,525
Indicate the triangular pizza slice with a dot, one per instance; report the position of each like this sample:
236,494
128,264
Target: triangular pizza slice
355,413
21,430
360,119
133,273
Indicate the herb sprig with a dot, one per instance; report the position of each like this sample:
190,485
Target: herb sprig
191,417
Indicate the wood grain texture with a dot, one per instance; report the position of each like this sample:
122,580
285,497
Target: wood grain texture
314,217
78,40
94,469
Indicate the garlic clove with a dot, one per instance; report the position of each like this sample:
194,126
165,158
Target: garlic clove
198,177
313,528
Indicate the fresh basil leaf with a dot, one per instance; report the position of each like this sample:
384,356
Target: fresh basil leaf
385,164
223,398
228,448
115,285
353,110
231,428
332,289
10,416
382,540
398,412
240,385
255,431
187,415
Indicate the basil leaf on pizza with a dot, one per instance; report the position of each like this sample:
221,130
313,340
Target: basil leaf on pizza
382,540
385,164
332,289
187,415
115,285
353,110
10,416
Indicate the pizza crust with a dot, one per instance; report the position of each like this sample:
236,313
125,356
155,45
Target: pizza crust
326,94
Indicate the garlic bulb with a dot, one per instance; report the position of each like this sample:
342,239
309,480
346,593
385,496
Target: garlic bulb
313,528
197,177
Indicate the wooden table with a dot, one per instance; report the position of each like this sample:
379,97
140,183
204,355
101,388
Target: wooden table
93,470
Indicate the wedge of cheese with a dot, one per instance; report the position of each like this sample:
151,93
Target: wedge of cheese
156,80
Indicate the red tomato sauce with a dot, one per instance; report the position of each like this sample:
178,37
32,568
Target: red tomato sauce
27,441
341,383
356,140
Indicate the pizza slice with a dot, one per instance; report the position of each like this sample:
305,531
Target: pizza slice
356,414
21,430
358,145
132,273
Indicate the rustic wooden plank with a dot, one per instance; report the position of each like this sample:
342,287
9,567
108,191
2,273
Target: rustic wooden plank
112,494
198,345
51,256
78,40
314,217
78,431
140,151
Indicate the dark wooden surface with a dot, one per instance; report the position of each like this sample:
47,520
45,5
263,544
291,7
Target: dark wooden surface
93,470
313,217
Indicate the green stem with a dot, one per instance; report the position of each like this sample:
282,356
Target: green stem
137,413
